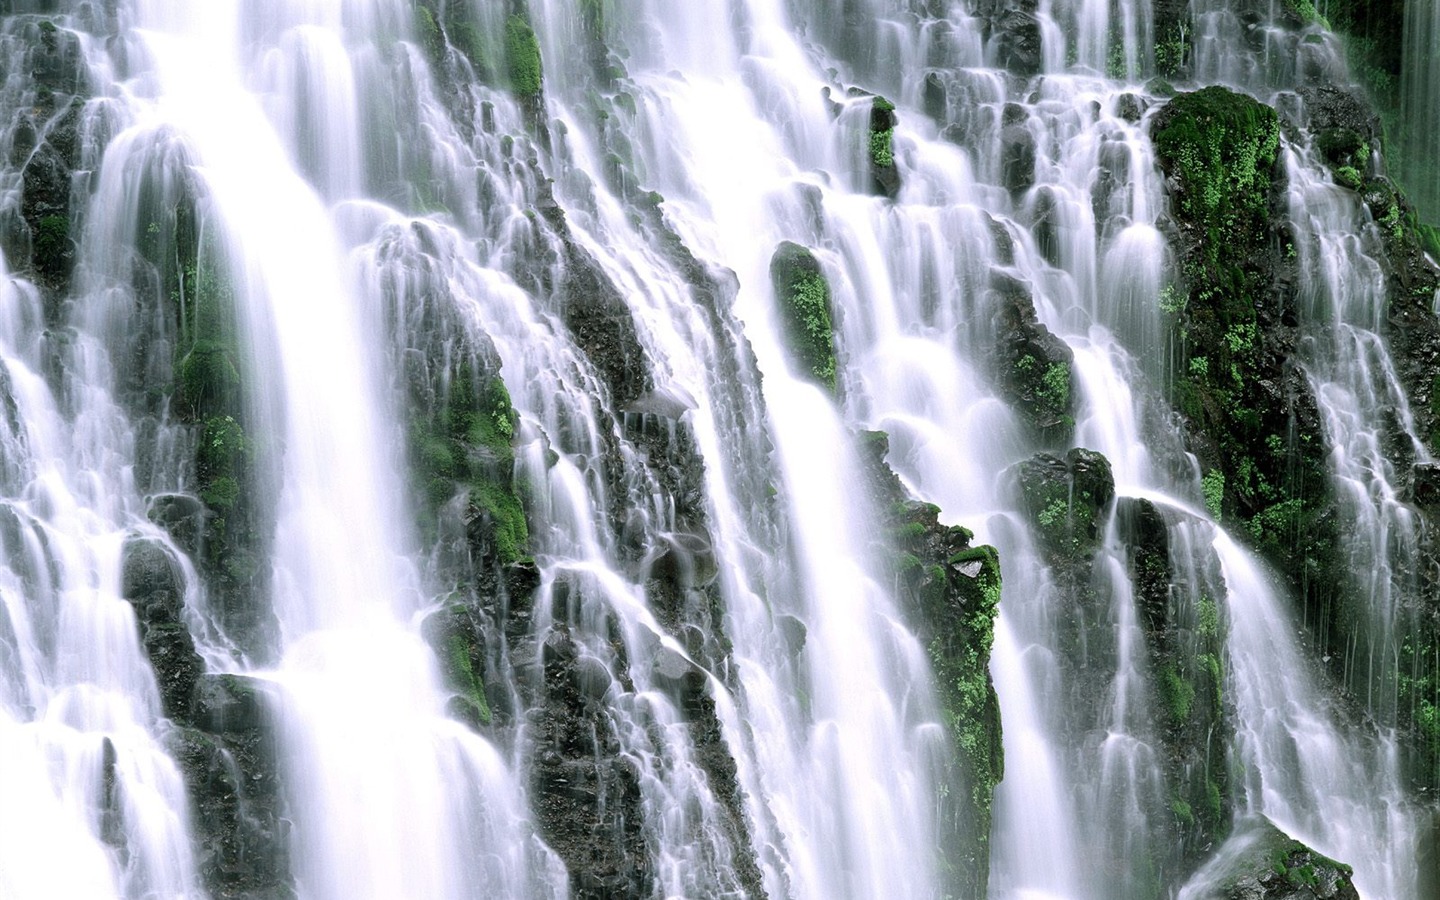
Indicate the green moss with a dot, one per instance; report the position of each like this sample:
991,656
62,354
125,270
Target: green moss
498,505
427,30
1055,387
1223,146
1171,52
461,674
51,242
882,148
466,445
221,493
522,53
1307,12
1176,694
1207,618
1183,813
1213,487
208,379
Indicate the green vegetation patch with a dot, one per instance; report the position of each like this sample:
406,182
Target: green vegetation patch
803,294
522,53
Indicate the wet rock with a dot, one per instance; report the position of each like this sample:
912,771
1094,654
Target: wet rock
183,518
1183,641
1260,862
1014,35
225,704
586,794
950,590
933,97
177,666
1017,158
1426,482
1065,499
220,738
885,175
237,812
150,579
1033,367
597,315
680,676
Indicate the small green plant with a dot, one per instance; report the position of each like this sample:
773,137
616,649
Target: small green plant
882,148
1053,514
1055,387
1212,485
1207,618
1172,301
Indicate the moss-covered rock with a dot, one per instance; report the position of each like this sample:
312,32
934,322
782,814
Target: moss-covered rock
1065,499
952,590
803,295
1253,420
1184,640
522,55
461,435
1263,863
456,635
884,174
1033,368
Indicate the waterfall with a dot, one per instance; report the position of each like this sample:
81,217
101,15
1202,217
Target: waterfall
545,449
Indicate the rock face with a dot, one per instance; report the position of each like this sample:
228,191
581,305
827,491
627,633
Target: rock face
220,736
1263,863
1253,421
1013,35
1065,498
1184,649
803,296
952,591
1033,368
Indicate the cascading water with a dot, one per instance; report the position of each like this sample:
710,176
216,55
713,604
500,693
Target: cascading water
423,376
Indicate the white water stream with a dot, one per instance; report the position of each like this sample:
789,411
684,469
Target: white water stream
353,194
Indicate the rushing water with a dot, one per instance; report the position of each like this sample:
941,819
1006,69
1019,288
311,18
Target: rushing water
376,213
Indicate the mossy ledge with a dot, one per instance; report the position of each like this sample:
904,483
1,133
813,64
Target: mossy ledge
803,294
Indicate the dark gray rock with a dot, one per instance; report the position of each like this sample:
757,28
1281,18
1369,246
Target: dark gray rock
1033,368
1261,862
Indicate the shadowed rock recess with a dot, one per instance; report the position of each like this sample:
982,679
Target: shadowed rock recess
504,449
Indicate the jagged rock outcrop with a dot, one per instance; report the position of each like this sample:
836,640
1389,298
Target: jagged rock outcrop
952,590
803,296
586,794
1013,35
1263,863
1184,648
220,734
1034,369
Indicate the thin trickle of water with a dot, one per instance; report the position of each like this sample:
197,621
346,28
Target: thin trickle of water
1420,104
